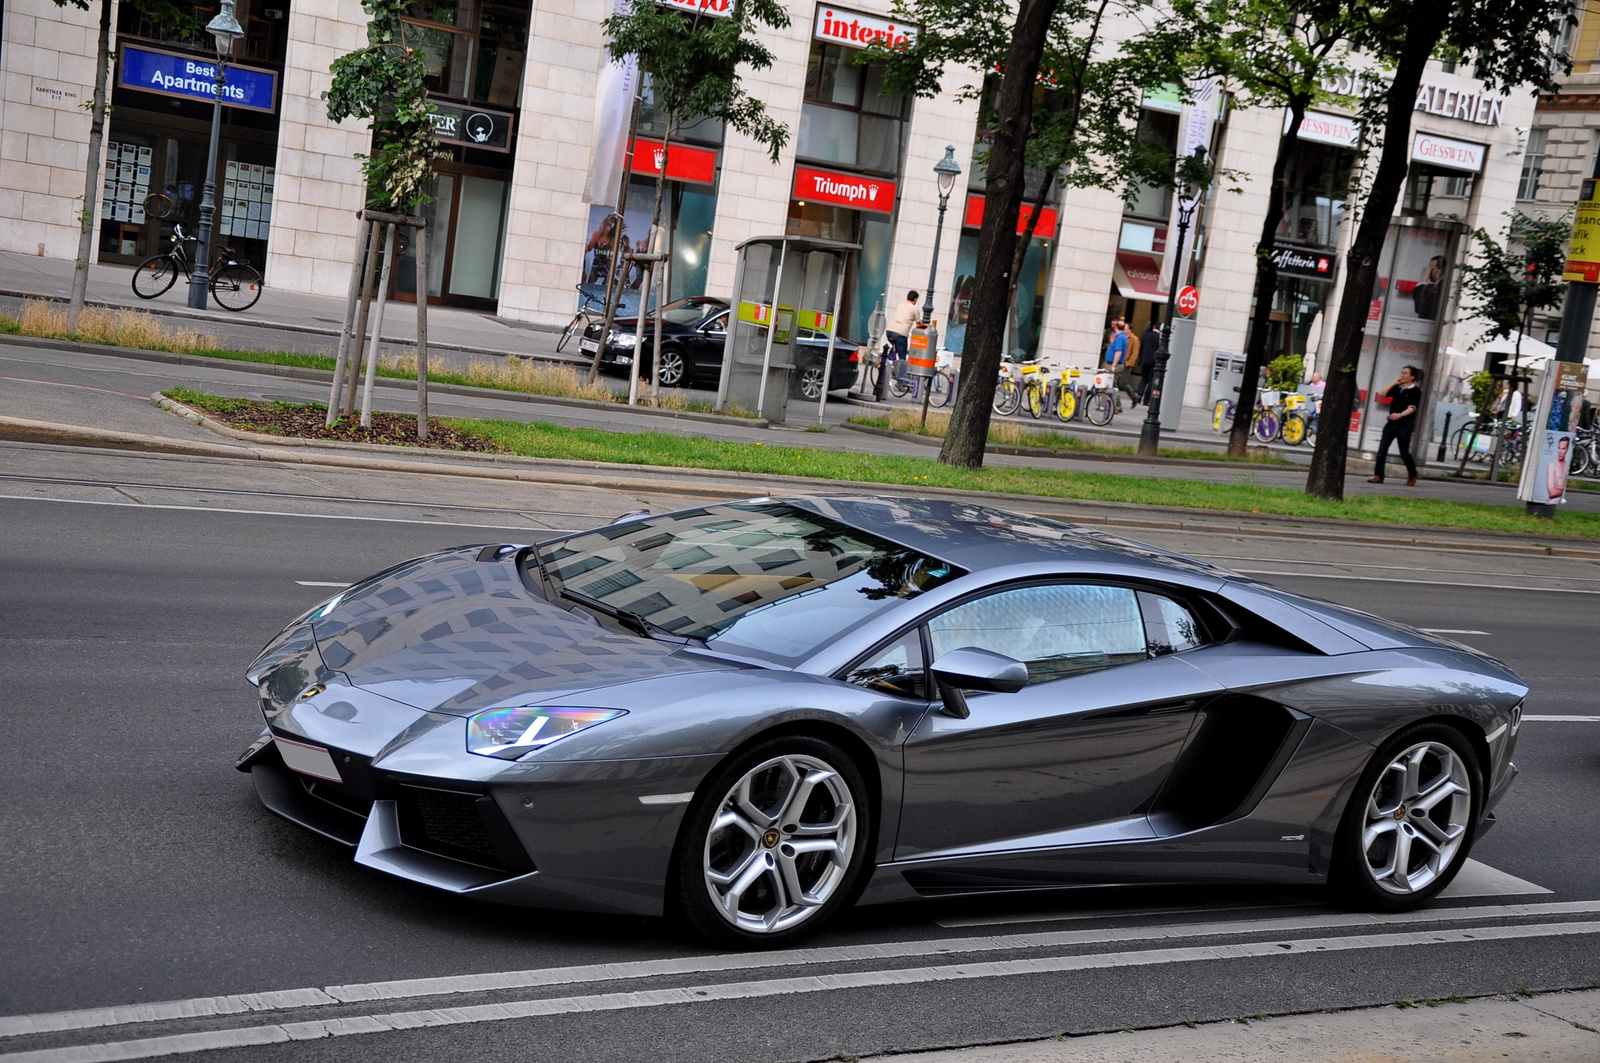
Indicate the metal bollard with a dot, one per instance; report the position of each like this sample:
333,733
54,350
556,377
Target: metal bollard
1444,438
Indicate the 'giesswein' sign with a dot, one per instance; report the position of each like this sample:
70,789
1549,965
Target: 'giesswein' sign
191,78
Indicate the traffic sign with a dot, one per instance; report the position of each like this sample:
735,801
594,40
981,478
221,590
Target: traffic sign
1188,300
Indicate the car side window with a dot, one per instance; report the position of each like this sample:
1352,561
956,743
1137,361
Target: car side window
1057,629
897,668
1169,627
716,326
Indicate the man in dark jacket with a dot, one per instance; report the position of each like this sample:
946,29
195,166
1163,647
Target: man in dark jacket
1149,343
1405,398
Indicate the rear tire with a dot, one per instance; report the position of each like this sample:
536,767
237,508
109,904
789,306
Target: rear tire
571,330
236,287
1007,397
154,276
1410,822
753,866
1100,408
808,385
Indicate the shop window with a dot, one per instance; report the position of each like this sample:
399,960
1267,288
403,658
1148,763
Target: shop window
1533,163
1316,183
473,50
181,24
847,119
653,122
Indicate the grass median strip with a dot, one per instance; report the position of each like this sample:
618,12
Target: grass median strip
542,440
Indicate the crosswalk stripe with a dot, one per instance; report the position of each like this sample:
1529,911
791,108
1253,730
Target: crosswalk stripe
151,1047
201,1007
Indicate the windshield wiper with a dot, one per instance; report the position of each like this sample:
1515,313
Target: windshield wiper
635,622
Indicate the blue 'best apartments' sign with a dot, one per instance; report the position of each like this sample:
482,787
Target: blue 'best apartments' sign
190,78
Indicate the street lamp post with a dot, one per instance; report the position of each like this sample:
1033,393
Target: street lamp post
1189,195
947,170
224,29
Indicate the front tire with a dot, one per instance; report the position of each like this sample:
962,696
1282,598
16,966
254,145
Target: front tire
776,841
154,276
1411,820
236,287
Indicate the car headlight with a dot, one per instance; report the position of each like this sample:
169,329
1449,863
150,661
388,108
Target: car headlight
512,733
623,339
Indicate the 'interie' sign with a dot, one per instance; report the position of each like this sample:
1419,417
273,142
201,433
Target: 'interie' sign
191,78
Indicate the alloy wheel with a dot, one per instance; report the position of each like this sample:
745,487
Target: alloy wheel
780,844
811,382
1416,817
670,371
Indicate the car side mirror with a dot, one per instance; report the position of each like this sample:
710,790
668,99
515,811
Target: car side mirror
970,668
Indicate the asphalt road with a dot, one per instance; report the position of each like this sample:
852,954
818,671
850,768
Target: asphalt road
140,867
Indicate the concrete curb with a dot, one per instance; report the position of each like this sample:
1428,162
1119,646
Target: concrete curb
1121,514
722,484
325,376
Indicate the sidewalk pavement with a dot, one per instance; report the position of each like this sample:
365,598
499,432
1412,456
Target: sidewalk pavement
1555,1027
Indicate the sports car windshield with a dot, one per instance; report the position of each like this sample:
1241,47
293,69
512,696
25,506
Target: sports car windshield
766,580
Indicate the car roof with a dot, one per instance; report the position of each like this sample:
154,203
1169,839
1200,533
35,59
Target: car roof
978,537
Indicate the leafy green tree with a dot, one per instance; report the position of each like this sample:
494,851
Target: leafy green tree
1276,54
693,62
1063,104
1508,283
163,13
385,84
1508,44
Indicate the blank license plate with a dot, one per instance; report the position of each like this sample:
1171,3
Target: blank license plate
308,760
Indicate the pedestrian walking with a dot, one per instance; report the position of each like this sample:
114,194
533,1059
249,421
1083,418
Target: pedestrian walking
1132,367
1117,353
1405,396
898,334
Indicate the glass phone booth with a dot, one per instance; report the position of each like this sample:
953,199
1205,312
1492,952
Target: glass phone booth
786,294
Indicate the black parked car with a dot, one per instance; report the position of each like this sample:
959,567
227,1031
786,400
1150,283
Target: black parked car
692,335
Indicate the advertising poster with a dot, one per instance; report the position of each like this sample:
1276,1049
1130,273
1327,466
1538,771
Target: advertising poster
1544,476
1404,319
612,235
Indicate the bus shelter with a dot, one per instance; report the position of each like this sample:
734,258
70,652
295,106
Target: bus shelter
787,292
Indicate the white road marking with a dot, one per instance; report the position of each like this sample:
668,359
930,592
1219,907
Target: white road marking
1422,582
1561,719
199,1007
319,583
1451,631
433,1018
1391,568
268,513
1477,879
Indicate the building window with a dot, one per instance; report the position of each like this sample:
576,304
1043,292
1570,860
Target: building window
474,51
1533,163
847,119
1159,130
1315,187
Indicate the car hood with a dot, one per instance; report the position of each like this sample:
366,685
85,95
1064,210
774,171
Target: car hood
455,634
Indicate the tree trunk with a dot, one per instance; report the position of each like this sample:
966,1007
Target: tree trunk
93,178
980,360
1255,351
1326,479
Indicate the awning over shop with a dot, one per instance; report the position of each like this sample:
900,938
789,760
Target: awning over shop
1138,276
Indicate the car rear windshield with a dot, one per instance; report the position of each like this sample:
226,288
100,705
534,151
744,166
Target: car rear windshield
768,580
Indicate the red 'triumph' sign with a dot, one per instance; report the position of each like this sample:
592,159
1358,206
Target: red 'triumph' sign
683,162
845,189
1045,230
855,30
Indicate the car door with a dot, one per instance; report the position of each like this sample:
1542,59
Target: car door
1079,752
705,349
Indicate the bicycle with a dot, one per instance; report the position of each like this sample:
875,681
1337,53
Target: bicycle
1069,394
1585,453
1100,399
234,285
1222,415
1266,421
1007,395
1299,420
586,316
1035,388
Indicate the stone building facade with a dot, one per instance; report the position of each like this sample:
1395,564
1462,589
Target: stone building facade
517,83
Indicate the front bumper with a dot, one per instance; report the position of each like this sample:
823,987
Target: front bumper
568,835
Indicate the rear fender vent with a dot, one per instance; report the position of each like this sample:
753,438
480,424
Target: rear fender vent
462,826
1237,748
